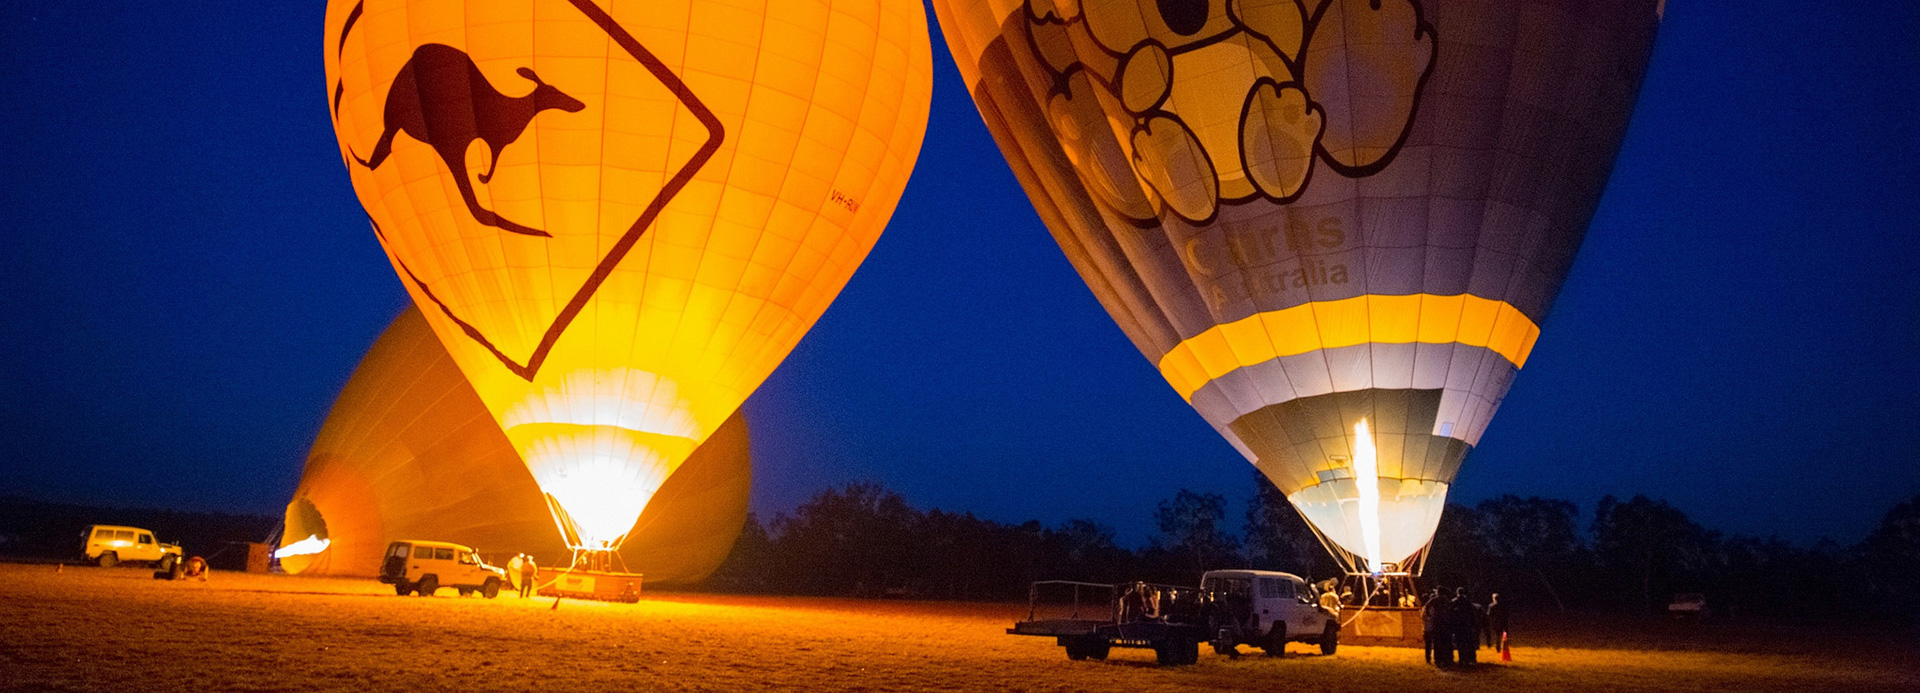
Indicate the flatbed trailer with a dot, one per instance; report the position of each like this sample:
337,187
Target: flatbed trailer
1167,619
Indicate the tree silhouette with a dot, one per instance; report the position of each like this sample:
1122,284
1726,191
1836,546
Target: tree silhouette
1278,537
857,540
1653,544
1891,555
1085,550
1192,534
1536,536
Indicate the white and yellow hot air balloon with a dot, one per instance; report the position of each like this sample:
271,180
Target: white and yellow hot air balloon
619,217
1335,226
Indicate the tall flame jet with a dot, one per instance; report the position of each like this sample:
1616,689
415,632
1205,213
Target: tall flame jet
619,217
1335,226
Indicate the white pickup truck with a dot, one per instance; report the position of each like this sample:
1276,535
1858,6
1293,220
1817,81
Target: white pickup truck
109,545
1267,609
423,567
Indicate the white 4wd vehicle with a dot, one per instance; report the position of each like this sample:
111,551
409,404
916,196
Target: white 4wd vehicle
108,545
421,567
1267,609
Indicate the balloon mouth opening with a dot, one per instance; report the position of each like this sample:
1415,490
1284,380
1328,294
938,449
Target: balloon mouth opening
304,538
598,479
598,451
1403,517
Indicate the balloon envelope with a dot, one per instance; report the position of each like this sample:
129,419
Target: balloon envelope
409,452
1335,226
620,217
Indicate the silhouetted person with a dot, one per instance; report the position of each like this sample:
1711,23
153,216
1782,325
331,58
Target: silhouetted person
1465,614
196,569
529,572
1439,640
1496,622
1137,604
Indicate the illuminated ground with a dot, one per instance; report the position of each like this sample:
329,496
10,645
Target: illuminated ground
94,629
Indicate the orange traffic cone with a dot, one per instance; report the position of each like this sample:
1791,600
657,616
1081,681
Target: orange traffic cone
1506,655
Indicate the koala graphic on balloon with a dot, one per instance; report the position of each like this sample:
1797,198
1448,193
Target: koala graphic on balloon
1185,105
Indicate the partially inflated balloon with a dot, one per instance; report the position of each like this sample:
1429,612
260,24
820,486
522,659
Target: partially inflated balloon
1334,225
621,216
408,452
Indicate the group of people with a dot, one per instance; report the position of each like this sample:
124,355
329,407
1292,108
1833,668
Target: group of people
1455,625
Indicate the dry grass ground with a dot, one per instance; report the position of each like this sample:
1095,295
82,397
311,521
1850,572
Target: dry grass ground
94,629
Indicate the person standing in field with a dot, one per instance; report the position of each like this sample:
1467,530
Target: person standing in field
529,572
1465,614
1433,616
1496,622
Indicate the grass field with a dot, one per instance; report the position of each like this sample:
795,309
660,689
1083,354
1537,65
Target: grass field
118,629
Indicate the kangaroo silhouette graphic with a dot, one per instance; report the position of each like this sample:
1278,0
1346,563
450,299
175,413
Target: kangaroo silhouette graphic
440,99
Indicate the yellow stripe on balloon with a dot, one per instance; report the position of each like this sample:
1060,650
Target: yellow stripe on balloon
1370,319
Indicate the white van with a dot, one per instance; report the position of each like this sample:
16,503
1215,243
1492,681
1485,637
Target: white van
421,567
108,545
1269,609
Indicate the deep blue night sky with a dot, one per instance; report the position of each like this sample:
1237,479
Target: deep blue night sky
188,281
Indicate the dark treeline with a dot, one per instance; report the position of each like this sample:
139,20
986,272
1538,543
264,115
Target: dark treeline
1539,553
37,530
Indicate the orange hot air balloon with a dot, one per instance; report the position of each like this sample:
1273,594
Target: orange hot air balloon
619,217
409,452
1335,226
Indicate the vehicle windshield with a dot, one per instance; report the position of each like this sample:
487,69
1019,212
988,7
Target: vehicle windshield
398,550
1239,587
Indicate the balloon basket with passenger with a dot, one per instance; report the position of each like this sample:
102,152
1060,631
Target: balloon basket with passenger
597,572
1380,607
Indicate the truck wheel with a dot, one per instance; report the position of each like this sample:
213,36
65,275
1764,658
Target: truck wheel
108,560
428,585
1164,653
1277,640
166,563
401,588
491,589
1330,641
1097,649
1177,651
1076,650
